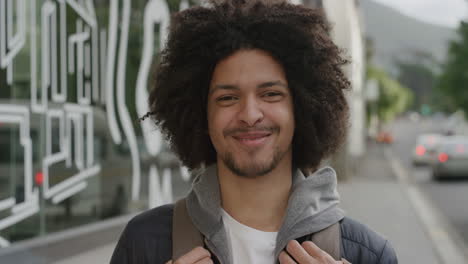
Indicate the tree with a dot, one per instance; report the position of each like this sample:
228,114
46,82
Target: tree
454,78
420,77
393,97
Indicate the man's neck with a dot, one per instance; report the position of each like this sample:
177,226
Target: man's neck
258,202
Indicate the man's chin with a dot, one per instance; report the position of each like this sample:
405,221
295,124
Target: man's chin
250,170
252,166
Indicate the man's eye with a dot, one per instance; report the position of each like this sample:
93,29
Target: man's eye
227,98
272,96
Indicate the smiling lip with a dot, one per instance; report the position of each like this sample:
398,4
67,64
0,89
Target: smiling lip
252,139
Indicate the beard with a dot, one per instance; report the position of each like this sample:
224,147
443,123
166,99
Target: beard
252,169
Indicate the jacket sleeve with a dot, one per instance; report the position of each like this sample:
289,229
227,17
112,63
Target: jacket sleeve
361,245
147,238
122,252
388,255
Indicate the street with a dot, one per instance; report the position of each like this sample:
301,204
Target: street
450,197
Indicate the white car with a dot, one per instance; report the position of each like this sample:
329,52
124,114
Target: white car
424,152
452,158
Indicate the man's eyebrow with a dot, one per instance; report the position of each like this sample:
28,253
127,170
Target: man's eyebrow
270,84
260,86
223,87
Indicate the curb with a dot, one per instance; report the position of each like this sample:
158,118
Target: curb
447,244
61,245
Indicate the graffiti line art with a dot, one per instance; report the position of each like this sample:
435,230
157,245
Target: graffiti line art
19,115
13,42
95,58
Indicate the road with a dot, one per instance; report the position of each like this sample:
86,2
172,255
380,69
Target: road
449,197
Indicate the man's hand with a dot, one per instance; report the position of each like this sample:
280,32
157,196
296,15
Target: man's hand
307,253
197,255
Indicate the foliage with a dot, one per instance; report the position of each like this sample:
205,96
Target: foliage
452,82
420,78
393,97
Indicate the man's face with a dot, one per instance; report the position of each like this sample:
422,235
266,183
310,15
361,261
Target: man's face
250,113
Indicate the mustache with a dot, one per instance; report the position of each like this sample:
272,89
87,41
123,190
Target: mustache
233,131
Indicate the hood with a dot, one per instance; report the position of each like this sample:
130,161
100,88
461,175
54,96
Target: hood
312,206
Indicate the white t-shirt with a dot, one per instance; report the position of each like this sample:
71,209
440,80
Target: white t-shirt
249,245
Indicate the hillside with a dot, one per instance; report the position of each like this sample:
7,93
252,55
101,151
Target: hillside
399,37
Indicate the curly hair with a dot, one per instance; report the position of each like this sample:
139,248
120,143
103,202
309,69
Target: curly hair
296,36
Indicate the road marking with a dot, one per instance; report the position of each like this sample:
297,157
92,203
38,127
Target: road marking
4,243
442,234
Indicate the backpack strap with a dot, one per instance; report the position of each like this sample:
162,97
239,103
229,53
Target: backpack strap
185,236
329,240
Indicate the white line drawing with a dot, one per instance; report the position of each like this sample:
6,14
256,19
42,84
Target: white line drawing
122,108
159,194
63,55
79,118
18,216
103,52
90,54
14,43
60,116
20,115
156,12
49,52
69,192
74,119
79,40
87,12
7,203
95,64
35,107
4,243
111,50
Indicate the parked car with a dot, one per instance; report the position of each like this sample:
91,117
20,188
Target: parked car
425,150
452,158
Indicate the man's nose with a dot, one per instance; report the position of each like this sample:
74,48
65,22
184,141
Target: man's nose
251,112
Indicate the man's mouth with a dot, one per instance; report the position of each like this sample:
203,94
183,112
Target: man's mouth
252,139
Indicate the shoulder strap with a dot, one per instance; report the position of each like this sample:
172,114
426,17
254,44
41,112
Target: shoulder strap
329,240
185,236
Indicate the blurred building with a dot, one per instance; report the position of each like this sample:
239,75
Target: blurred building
348,33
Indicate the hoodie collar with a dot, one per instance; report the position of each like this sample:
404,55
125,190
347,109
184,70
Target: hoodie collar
312,206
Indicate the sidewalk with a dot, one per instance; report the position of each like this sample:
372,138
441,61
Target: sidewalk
374,196
98,256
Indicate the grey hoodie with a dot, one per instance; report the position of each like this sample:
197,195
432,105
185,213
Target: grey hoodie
312,206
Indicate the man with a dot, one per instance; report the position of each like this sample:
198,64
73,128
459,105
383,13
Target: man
250,93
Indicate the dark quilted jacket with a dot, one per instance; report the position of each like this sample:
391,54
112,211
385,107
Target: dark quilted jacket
147,240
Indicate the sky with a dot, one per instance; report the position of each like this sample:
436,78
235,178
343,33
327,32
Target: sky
441,12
